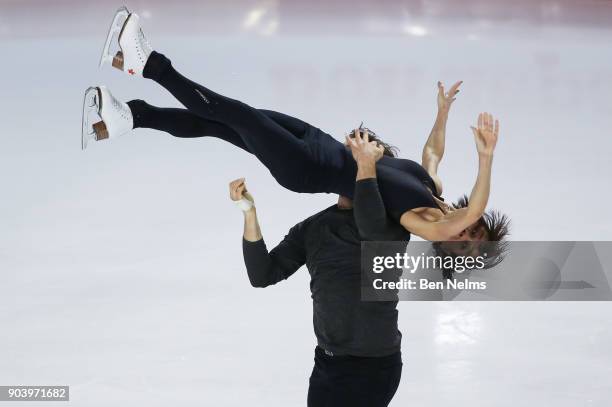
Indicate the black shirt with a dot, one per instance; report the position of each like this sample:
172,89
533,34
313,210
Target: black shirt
329,244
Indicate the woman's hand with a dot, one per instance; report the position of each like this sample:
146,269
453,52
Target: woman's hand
364,151
445,100
486,134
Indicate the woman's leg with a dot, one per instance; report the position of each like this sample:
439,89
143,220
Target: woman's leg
184,124
181,123
294,126
284,153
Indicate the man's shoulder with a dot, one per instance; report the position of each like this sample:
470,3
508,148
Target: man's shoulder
322,213
317,216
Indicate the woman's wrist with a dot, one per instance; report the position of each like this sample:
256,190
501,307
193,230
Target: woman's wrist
443,112
485,157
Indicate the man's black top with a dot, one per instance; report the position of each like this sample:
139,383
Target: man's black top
329,244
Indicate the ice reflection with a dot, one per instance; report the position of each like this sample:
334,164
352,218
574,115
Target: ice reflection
457,326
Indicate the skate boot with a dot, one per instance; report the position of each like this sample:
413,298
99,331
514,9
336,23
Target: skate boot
132,47
104,116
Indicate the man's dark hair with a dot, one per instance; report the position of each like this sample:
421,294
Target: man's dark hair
496,226
390,151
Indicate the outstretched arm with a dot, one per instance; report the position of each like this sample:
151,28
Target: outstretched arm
453,223
266,268
485,136
434,147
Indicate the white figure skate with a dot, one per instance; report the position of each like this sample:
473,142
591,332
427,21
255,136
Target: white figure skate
132,48
104,116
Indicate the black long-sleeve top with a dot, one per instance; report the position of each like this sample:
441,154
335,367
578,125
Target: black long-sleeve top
329,244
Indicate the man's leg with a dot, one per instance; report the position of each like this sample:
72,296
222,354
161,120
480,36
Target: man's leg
353,381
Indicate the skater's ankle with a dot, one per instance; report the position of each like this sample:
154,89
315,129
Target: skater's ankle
157,64
140,110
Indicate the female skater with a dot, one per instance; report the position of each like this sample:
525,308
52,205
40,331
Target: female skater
299,156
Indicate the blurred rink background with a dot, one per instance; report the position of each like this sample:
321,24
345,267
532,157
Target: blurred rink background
120,267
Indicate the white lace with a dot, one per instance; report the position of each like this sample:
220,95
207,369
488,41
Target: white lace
122,108
144,49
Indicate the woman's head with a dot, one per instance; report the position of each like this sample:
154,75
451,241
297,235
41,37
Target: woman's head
389,150
492,225
487,235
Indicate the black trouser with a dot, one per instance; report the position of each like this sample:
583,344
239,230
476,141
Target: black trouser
274,138
351,381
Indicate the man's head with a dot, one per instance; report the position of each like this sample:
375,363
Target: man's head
488,235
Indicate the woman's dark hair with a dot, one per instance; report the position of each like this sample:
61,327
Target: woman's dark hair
390,151
497,228
495,223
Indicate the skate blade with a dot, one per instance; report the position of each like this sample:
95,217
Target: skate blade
92,128
119,20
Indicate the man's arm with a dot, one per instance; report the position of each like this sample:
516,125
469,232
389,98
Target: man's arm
266,268
435,145
368,207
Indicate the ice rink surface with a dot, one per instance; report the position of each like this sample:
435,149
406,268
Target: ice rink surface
120,267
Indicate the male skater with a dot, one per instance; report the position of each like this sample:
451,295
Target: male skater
357,358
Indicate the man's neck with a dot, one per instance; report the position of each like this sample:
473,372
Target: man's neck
344,203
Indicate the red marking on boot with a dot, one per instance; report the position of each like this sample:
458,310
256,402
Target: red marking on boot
131,71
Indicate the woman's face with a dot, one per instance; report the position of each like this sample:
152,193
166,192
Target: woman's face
467,243
475,232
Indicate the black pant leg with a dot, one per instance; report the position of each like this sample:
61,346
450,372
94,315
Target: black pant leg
347,381
286,156
181,123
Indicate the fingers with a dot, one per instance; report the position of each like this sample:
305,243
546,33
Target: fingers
357,135
454,89
452,92
241,188
237,187
474,130
488,123
235,183
361,136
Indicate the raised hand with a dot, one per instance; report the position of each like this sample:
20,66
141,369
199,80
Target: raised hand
238,190
446,99
486,134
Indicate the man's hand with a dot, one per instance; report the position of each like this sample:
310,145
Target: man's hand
445,100
238,191
486,134
364,151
